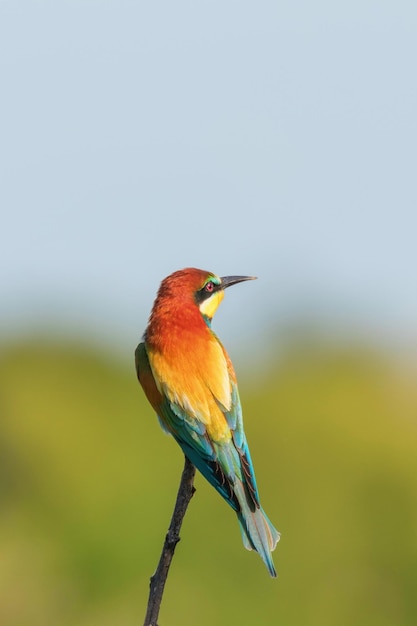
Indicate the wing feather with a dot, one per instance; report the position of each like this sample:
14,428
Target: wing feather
205,417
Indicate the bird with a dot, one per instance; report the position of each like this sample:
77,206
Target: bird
190,382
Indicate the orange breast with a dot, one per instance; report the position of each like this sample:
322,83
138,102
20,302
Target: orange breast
191,369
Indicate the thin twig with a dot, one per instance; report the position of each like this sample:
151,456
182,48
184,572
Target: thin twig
158,580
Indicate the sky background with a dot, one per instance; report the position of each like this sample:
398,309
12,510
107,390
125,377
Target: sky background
270,138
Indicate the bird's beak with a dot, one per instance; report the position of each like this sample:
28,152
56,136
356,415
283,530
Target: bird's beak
228,281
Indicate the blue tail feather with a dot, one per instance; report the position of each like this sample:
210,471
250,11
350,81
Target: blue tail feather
258,533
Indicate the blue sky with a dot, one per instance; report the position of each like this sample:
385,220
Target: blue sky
270,138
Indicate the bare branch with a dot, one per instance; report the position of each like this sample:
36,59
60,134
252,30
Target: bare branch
158,580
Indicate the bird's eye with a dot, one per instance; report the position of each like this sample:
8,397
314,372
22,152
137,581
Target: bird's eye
209,287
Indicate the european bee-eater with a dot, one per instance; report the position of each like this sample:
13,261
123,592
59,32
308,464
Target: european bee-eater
189,380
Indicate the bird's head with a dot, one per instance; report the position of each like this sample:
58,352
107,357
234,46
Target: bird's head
199,288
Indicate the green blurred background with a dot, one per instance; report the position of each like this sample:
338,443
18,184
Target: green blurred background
276,139
88,483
